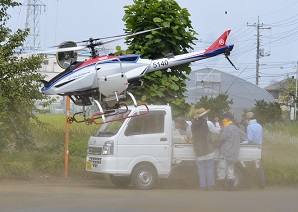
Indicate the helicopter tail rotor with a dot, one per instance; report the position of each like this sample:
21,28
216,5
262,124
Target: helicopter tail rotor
227,54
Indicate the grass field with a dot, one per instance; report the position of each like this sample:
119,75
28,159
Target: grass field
280,150
280,154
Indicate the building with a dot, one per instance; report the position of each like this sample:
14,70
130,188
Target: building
277,88
287,102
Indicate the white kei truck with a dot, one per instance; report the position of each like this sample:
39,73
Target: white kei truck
143,149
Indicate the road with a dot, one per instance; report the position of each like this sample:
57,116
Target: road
89,197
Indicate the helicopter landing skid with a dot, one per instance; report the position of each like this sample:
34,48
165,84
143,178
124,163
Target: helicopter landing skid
107,113
74,119
115,112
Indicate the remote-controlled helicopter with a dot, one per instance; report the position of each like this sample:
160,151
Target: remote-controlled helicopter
107,79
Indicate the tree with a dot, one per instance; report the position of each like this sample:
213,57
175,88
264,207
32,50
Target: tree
290,88
267,112
177,36
218,105
19,84
289,93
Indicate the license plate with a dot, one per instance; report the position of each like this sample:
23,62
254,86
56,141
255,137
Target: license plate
88,165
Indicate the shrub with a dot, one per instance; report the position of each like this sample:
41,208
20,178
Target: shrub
267,112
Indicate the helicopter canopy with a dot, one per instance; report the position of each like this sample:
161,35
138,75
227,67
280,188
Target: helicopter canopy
65,59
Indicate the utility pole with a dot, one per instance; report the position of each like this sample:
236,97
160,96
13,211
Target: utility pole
258,26
66,141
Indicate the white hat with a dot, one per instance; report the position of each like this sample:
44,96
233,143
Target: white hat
250,115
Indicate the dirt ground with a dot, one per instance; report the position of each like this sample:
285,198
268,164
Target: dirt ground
79,195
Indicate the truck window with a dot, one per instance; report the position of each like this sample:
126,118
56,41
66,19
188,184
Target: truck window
147,124
111,128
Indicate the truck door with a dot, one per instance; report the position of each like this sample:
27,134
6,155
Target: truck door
145,138
183,152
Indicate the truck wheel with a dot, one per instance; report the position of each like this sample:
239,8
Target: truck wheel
120,181
144,176
238,178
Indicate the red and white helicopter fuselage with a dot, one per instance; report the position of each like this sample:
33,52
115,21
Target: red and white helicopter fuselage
110,74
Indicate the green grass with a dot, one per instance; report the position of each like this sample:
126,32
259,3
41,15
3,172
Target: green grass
56,129
291,130
48,159
280,154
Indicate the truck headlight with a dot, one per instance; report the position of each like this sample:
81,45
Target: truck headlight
108,148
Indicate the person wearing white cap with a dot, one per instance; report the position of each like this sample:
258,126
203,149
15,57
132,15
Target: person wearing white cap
203,147
255,136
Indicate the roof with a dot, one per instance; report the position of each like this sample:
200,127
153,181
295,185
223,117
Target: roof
283,84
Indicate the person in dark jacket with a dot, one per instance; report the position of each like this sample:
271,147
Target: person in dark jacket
201,134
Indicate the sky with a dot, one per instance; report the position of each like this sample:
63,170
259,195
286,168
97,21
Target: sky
76,20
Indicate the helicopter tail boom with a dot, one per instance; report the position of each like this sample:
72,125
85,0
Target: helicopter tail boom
217,48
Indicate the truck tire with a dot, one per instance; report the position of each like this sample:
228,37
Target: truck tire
120,181
144,176
238,178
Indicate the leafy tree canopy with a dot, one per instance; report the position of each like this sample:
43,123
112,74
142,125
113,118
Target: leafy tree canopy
290,90
19,84
267,112
176,36
218,105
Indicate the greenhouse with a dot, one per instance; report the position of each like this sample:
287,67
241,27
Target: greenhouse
210,82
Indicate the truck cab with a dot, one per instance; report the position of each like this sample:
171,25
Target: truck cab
138,148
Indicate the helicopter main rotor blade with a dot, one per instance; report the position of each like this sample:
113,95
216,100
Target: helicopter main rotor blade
118,36
126,36
77,48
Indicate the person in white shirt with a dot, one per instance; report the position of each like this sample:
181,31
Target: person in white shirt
255,136
203,147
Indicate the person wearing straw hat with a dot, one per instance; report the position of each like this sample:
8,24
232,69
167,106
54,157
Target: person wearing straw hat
201,132
229,147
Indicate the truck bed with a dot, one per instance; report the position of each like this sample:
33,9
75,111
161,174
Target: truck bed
184,152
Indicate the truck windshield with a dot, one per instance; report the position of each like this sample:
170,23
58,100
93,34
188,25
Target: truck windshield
111,128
